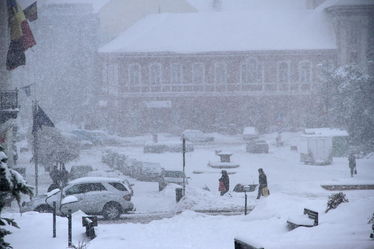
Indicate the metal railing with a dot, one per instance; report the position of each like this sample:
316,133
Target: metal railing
219,89
9,99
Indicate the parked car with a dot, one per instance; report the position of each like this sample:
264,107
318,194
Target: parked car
109,197
257,146
197,136
170,176
250,133
78,171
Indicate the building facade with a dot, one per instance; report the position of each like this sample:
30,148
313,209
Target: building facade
149,89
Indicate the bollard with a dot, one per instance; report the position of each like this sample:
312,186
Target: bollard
245,203
178,194
54,219
69,229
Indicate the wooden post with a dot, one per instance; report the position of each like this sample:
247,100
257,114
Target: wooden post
184,164
69,228
54,219
245,203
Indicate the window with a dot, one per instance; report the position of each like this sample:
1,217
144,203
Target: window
84,188
176,73
305,72
110,74
220,73
283,72
95,187
118,186
198,73
155,74
134,72
251,72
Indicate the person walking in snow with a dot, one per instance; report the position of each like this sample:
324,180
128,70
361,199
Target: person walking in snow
352,164
263,184
224,183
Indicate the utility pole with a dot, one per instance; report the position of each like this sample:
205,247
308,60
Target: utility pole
35,134
184,164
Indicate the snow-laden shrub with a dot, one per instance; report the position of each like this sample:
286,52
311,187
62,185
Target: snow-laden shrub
335,200
347,98
12,185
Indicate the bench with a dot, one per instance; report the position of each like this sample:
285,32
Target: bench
240,244
90,222
311,221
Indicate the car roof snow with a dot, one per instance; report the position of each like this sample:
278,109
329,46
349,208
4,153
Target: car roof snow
95,179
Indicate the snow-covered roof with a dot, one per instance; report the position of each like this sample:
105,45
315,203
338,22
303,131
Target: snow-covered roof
326,132
230,5
330,3
227,31
96,4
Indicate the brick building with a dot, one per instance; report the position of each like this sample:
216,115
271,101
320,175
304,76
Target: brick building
224,70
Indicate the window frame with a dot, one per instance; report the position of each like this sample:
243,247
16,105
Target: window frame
152,78
224,71
301,73
194,67
131,73
178,74
279,73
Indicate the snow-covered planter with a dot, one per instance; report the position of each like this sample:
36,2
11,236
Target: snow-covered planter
335,200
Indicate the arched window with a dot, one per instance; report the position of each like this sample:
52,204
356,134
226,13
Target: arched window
251,72
305,72
176,75
155,74
220,73
134,72
283,73
112,77
198,73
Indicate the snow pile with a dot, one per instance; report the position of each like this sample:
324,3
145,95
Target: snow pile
203,200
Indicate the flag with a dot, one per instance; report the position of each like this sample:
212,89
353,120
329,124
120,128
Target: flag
27,90
21,37
40,119
31,12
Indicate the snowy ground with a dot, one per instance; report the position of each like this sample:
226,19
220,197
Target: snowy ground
293,186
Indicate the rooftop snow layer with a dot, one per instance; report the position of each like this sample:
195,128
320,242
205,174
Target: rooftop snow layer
329,132
226,31
229,5
330,3
96,4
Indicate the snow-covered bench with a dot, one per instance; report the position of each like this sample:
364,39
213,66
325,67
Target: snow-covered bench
90,222
309,219
240,243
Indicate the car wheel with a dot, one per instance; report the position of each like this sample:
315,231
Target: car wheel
112,211
44,209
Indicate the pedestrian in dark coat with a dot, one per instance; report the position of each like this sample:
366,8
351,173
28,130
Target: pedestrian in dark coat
263,183
224,183
352,164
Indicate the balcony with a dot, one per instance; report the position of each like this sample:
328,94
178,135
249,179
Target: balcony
8,105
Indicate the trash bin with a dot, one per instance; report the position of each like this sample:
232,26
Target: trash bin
178,194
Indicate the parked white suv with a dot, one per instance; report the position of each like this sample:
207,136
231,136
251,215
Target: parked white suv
109,197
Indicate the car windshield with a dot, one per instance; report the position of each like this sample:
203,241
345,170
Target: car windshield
173,173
